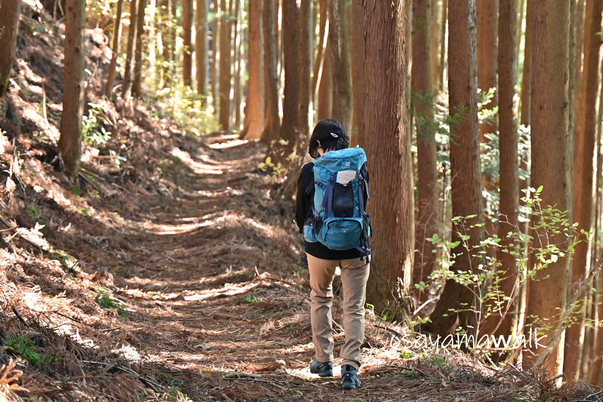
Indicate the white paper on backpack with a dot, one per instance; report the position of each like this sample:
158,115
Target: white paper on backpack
345,176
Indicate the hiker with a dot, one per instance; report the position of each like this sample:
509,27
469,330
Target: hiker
345,196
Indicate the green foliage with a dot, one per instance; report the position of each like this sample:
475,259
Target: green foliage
26,348
484,279
268,166
93,126
105,301
405,354
251,299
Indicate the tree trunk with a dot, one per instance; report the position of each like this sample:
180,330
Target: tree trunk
550,167
583,171
10,11
225,73
465,169
137,85
130,50
443,31
238,39
427,185
289,129
579,47
305,68
201,47
325,87
187,45
114,48
254,118
435,35
385,120
272,122
215,59
340,63
504,319
322,44
70,142
487,31
358,55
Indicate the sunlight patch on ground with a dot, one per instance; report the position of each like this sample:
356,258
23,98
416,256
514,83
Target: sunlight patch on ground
229,144
196,167
229,289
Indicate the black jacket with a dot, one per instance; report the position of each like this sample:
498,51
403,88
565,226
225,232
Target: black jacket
303,206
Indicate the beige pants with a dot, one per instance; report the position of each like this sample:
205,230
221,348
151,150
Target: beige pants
354,275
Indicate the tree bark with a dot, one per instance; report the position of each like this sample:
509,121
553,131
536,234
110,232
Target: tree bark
583,171
385,120
504,319
340,63
272,122
289,129
254,118
201,47
487,50
321,48
305,68
10,11
187,50
225,65
130,50
325,86
465,169
358,55
443,30
70,142
114,48
137,85
550,167
427,220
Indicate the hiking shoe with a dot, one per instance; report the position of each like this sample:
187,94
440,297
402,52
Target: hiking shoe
322,369
349,379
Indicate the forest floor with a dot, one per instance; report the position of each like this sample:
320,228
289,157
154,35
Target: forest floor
175,272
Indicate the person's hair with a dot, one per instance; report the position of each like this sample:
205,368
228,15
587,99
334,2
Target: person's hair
329,135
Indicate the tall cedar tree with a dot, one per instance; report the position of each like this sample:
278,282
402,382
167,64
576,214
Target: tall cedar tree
225,66
130,50
487,30
340,63
583,171
305,68
214,80
138,61
578,50
464,170
9,24
114,48
70,142
187,43
504,318
238,38
254,118
435,35
165,30
423,93
320,49
325,86
201,47
357,51
550,166
272,121
386,138
289,129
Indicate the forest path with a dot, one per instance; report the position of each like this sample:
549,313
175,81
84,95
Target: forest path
215,286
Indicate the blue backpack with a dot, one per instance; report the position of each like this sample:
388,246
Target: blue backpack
337,218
